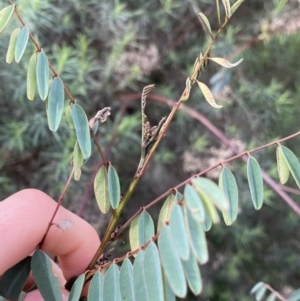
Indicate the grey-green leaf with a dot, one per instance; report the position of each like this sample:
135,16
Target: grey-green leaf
140,291
42,75
111,286
153,274
192,273
271,297
236,5
69,117
13,280
46,282
228,185
165,211
208,222
77,288
31,77
209,189
77,161
295,295
12,45
146,227
101,189
114,190
292,163
171,263
82,130
126,281
21,44
256,287
206,22
255,182
194,203
196,237
5,16
168,293
282,166
55,103
96,288
178,232
134,234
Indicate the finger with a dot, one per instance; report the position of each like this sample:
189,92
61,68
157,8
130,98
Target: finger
24,219
36,296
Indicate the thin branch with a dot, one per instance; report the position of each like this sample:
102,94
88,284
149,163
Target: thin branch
212,128
60,200
275,293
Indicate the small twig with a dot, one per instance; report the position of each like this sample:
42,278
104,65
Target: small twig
275,293
60,200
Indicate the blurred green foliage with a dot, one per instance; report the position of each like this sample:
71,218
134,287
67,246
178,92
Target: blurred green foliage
104,52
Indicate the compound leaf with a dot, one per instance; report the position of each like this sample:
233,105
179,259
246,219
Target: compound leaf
255,182
42,75
13,280
178,232
31,77
77,288
55,103
171,263
82,130
96,288
101,189
228,185
126,281
46,282
153,274
111,284
5,15
114,190
146,227
21,44
12,45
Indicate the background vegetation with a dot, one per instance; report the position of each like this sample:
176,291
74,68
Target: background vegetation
106,52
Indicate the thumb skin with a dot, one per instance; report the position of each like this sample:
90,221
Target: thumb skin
36,296
25,215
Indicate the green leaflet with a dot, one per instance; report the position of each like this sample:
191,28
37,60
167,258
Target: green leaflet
168,293
295,295
192,273
77,288
206,22
82,130
282,166
126,281
77,161
69,117
5,15
208,95
13,280
96,288
292,162
171,263
226,4
114,190
140,291
21,43
255,182
196,238
236,5
178,197
256,287
178,232
56,100
227,184
271,297
194,203
42,75
208,222
12,45
134,234
165,211
209,190
111,286
146,227
101,189
31,77
46,282
153,274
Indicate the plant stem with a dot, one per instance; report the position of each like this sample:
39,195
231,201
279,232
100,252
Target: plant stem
60,200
